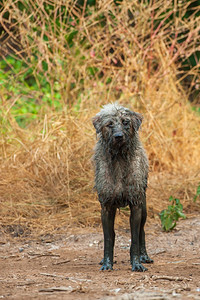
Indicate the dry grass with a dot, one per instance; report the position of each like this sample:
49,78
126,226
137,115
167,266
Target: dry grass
46,174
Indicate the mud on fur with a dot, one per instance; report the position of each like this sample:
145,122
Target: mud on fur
121,173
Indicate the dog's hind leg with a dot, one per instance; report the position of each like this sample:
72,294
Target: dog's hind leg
135,223
144,258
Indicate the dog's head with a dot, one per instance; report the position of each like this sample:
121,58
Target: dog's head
117,124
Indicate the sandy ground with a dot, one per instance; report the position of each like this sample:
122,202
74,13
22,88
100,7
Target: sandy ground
65,266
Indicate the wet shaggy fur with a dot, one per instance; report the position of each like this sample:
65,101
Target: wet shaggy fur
121,172
121,167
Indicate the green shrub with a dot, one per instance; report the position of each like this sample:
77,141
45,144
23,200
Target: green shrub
170,216
32,92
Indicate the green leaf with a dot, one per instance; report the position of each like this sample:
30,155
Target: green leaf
173,226
168,223
197,194
181,215
170,215
177,201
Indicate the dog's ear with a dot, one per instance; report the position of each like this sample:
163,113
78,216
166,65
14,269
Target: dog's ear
139,119
136,120
97,123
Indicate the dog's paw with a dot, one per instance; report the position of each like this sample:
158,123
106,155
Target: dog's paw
106,264
101,262
138,267
106,267
146,259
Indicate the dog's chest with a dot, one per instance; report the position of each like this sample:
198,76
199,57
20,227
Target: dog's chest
125,174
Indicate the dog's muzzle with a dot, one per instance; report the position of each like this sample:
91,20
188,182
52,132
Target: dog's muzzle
119,138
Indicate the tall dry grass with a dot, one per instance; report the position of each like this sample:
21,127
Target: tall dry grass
46,174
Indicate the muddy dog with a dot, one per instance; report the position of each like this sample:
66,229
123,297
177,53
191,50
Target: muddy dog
121,172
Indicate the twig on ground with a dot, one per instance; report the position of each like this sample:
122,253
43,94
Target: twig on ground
57,289
61,262
170,278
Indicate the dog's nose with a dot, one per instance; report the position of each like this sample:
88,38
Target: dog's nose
118,135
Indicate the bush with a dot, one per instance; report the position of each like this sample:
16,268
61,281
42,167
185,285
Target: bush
171,215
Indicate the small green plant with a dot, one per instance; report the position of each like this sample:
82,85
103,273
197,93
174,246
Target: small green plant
170,216
197,195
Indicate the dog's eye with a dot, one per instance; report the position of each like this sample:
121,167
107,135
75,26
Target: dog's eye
110,125
125,122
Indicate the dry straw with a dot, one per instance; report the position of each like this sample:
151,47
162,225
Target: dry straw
46,174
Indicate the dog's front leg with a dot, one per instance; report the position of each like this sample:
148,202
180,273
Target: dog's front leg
108,218
135,223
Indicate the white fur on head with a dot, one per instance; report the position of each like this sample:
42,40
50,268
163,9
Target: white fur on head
113,109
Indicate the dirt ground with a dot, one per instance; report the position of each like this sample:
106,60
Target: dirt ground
65,266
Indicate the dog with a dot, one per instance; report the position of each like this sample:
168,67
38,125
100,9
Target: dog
121,174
